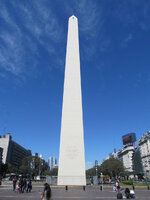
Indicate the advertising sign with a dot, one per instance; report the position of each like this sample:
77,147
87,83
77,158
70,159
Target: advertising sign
128,138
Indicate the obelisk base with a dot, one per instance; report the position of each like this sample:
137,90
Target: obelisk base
72,180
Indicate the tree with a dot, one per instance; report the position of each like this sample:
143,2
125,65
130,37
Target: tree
92,171
34,166
138,168
11,169
53,172
112,167
3,169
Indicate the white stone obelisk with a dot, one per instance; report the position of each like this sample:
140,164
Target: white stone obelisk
71,170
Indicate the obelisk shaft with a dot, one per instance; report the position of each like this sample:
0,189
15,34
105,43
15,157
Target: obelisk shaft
71,169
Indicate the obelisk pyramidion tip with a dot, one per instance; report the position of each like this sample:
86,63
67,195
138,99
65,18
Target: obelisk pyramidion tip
72,17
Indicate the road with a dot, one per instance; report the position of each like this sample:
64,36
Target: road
73,193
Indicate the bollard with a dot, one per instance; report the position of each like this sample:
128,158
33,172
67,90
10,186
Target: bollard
84,188
148,187
66,187
133,187
101,187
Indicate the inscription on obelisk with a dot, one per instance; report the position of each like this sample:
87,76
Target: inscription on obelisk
71,170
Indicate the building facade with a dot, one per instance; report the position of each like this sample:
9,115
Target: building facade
1,155
126,156
135,155
4,144
52,162
144,146
13,153
114,154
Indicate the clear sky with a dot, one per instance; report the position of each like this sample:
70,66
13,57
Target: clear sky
115,70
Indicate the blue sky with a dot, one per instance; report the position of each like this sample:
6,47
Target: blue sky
115,70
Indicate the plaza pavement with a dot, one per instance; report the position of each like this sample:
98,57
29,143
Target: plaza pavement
73,193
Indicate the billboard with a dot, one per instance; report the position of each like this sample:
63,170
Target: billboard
128,138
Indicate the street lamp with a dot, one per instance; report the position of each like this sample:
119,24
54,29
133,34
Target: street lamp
96,177
96,171
40,163
101,180
101,177
96,165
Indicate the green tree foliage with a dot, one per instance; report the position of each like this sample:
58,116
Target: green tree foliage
138,168
53,172
3,169
128,182
92,171
11,169
34,166
112,167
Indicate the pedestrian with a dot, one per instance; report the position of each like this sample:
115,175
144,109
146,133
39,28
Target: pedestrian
132,194
117,186
47,193
21,185
42,195
127,193
24,185
29,186
18,188
14,183
114,187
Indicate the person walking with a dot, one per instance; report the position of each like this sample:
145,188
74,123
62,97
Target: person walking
24,185
29,186
47,193
117,186
14,183
21,184
127,193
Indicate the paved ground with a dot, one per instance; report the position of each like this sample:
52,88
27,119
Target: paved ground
90,193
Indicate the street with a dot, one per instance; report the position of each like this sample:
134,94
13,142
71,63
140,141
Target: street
90,193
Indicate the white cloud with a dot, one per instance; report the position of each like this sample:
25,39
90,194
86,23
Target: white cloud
20,40
41,23
10,47
89,15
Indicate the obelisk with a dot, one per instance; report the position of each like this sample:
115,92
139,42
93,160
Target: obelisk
71,169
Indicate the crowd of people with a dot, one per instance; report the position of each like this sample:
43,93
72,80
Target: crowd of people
22,185
123,193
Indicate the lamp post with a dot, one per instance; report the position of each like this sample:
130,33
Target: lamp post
96,177
96,165
96,171
40,163
31,168
101,178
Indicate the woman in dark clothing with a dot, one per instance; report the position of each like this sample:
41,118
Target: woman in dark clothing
47,192
29,186
24,185
127,193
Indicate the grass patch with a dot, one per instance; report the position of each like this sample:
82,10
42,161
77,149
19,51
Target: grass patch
128,182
